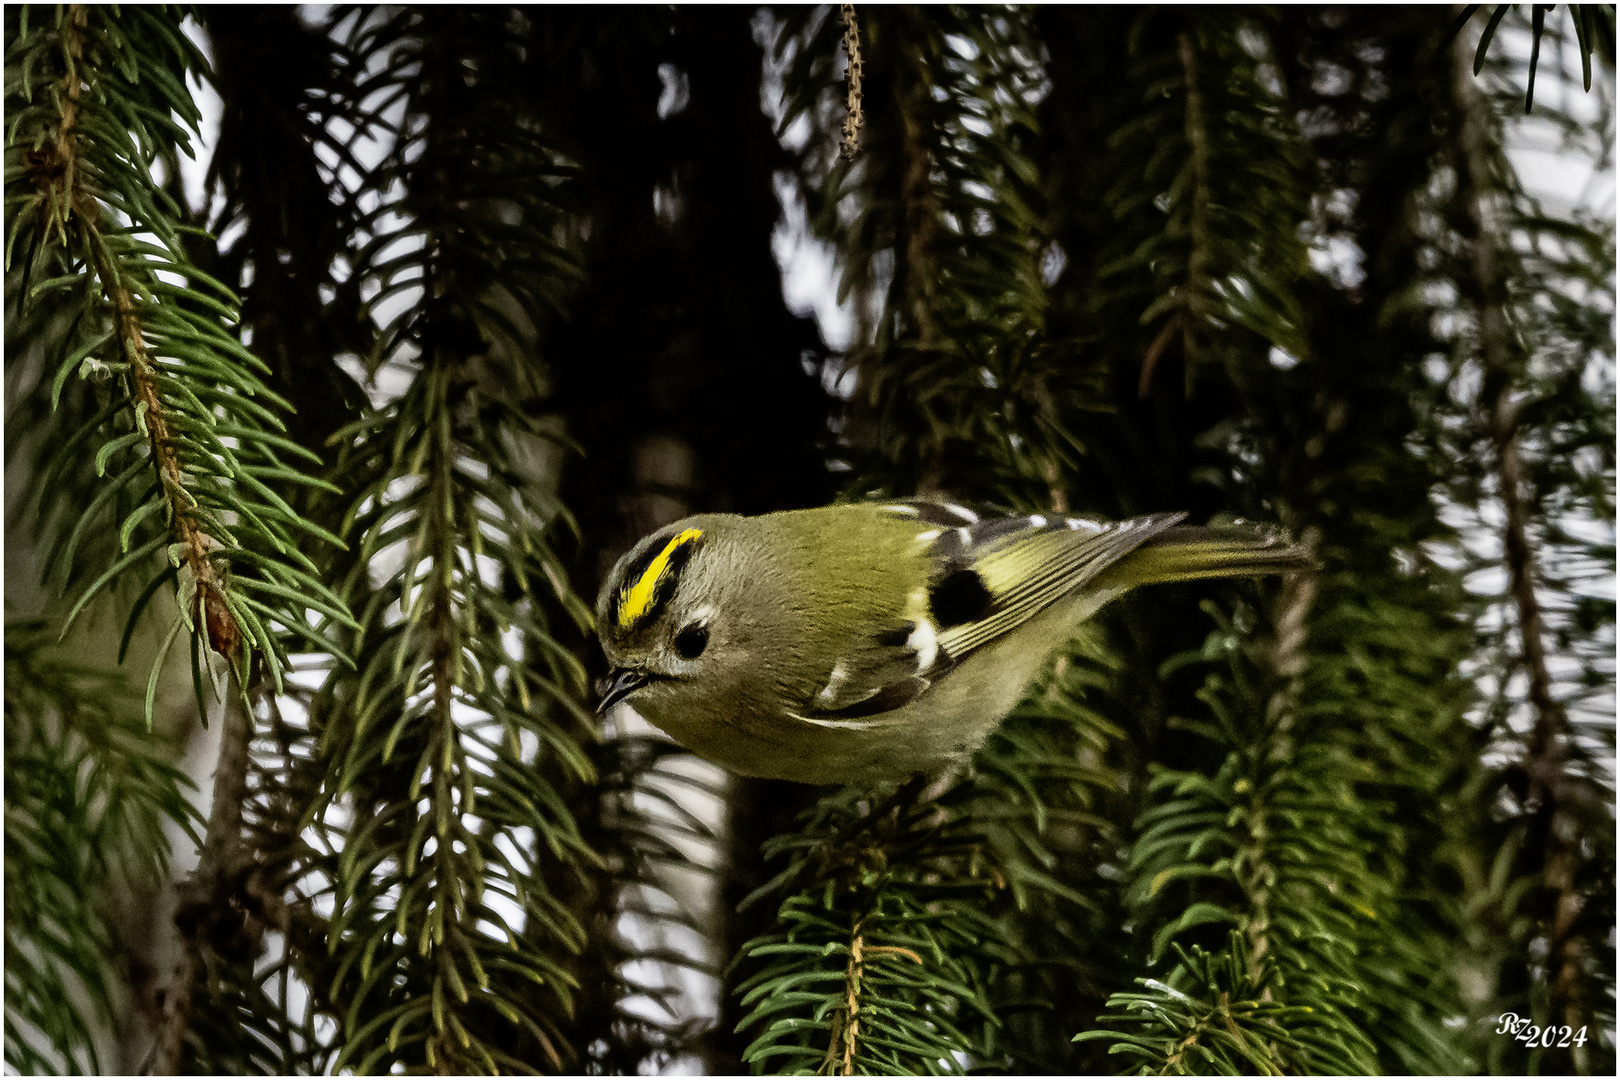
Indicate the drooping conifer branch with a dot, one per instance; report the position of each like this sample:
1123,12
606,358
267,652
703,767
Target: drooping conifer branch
110,103
461,726
64,182
844,1042
1287,659
210,909
1190,313
89,795
1501,355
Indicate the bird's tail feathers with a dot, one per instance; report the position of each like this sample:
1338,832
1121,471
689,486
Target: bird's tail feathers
1188,552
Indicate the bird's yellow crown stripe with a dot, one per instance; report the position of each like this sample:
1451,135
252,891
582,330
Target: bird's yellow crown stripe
639,597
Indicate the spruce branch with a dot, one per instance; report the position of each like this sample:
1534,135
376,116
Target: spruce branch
210,911
88,794
1192,314
1287,659
445,840
1502,357
85,137
1271,827
1554,843
871,965
948,230
1213,1015
1208,243
75,213
916,269
93,93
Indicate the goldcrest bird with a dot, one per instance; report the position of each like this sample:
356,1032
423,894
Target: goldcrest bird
869,641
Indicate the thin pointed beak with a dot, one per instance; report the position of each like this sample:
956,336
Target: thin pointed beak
617,686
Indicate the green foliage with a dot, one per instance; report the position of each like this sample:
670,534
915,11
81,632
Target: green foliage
870,968
89,795
1268,263
1594,30
1214,1016
446,748
1529,359
1268,845
192,457
1206,197
937,229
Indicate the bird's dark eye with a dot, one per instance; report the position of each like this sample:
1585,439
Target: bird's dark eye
691,642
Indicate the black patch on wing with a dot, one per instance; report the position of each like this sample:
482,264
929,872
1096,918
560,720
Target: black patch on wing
1032,561
959,597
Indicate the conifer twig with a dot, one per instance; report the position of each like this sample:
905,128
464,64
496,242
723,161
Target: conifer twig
63,182
851,1027
851,145
1546,750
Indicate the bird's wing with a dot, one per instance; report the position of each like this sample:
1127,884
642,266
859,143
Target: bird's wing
987,576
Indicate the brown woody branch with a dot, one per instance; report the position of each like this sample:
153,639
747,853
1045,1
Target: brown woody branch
851,145
75,211
74,208
1501,356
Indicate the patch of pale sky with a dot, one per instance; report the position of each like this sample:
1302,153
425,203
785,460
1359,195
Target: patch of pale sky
809,269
